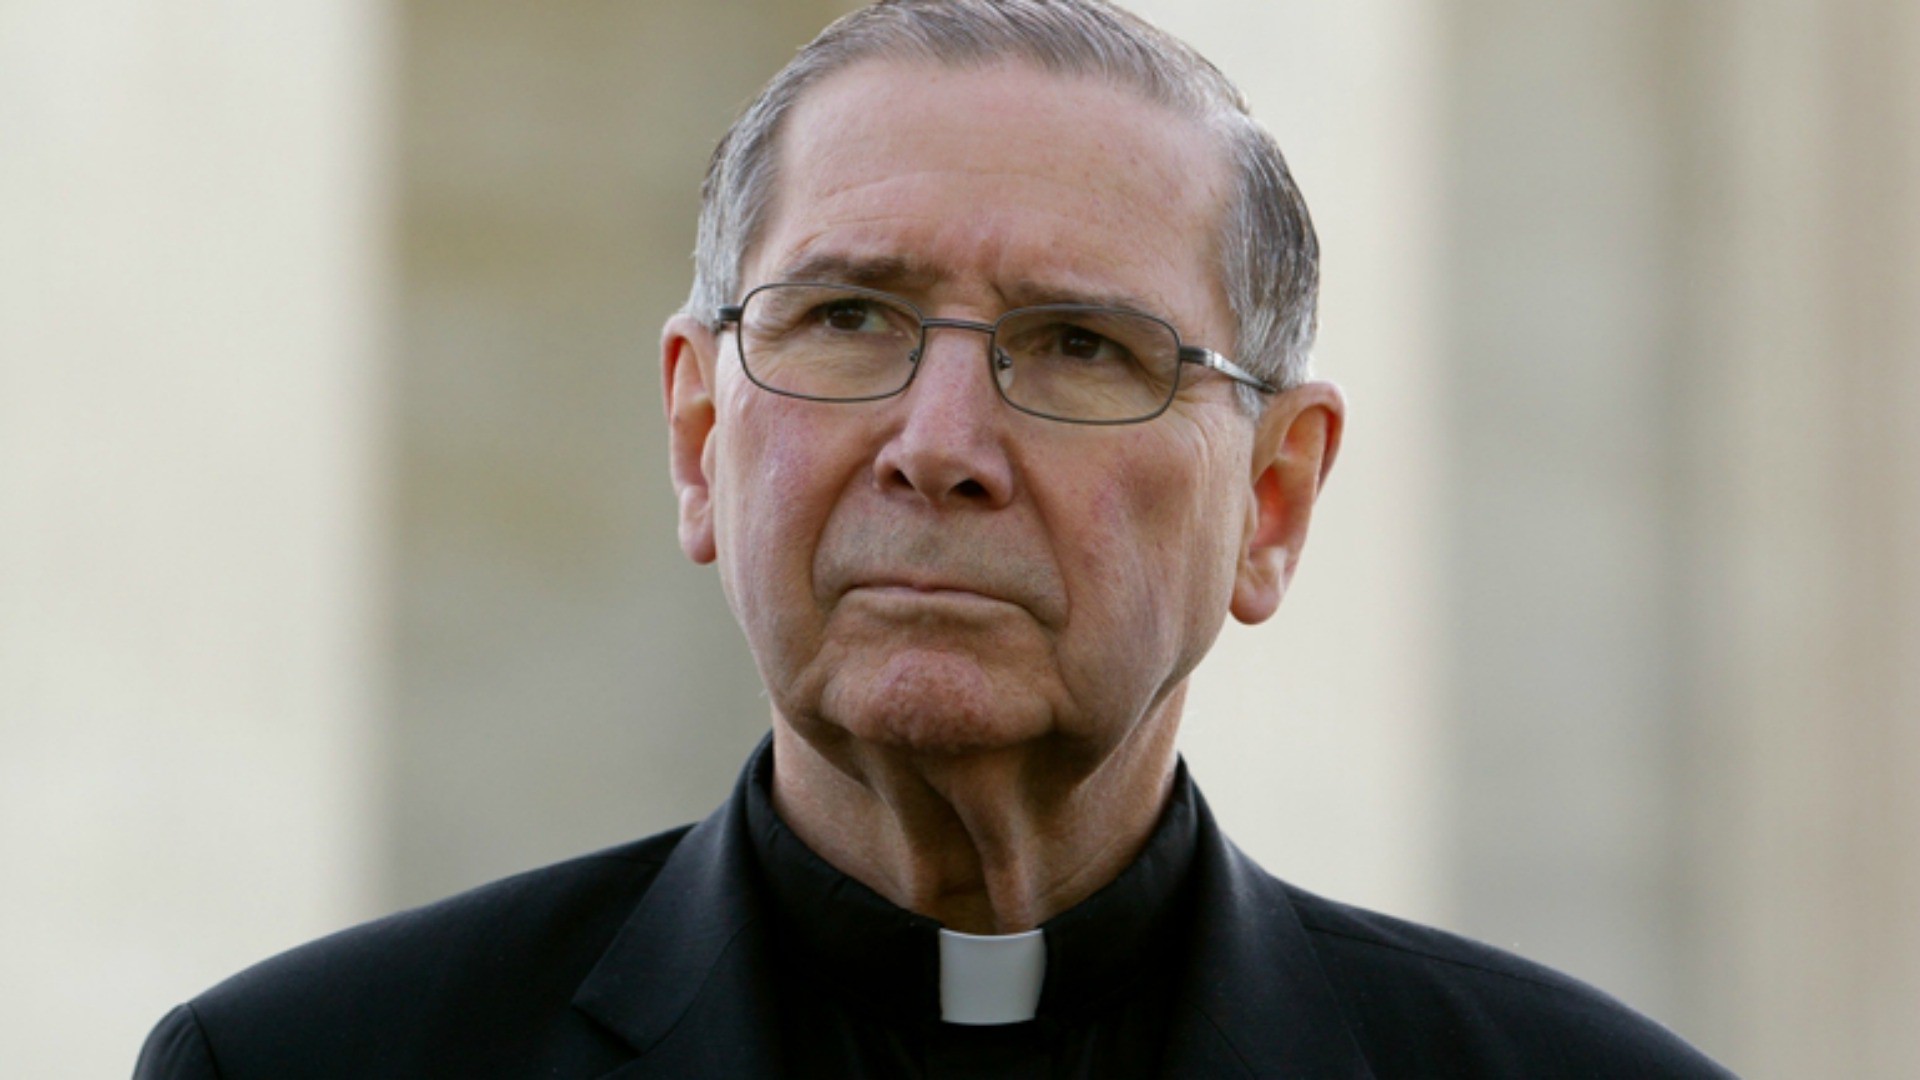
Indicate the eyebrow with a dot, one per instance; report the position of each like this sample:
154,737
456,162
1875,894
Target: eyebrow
908,275
1026,293
891,272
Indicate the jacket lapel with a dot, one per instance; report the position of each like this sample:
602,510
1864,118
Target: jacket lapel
1254,1001
685,982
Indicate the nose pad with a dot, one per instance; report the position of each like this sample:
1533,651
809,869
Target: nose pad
999,361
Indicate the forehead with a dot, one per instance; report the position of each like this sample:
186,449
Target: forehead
1002,179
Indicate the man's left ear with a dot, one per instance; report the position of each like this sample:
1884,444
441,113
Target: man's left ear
1294,446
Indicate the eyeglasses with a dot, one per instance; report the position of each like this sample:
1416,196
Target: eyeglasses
1077,363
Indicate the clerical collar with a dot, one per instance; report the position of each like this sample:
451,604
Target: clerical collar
835,931
991,979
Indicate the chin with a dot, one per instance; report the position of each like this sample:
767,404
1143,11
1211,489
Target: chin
932,703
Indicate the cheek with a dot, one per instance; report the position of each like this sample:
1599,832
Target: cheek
1128,536
775,481
1162,555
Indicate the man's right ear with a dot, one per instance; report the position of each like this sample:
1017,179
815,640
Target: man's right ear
688,348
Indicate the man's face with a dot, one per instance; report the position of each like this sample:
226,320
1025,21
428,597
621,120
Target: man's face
938,571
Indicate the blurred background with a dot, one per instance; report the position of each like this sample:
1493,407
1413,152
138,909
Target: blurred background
337,559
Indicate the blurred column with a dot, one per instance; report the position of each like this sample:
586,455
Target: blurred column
1799,423
1563,611
191,265
563,678
1685,569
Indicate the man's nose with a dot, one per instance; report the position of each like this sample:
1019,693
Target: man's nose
950,445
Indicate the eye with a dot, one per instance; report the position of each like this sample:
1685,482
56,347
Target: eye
1079,343
1046,338
851,316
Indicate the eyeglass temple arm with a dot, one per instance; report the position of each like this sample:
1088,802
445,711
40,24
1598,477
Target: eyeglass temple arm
1207,358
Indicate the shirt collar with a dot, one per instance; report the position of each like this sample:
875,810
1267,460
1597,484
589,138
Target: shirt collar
887,960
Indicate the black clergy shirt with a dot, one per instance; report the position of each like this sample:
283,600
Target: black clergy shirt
857,978
726,951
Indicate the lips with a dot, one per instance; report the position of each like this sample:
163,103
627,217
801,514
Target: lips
932,591
927,585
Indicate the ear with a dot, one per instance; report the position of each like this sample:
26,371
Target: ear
1293,450
688,349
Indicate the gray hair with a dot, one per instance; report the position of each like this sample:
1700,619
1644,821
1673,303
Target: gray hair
1269,257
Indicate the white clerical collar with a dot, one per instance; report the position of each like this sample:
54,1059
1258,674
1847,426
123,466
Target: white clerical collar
992,979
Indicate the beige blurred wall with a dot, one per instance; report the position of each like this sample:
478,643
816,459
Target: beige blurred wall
194,250
1797,490
1565,611
337,567
1683,250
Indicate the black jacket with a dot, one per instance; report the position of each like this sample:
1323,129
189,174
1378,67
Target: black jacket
646,961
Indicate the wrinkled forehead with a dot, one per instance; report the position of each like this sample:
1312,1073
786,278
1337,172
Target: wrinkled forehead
1026,141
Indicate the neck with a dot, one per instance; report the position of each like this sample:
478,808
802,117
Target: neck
987,843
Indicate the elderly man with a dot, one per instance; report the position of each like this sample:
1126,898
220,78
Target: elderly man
989,404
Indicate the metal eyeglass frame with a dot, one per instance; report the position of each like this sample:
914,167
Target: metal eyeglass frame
1188,354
